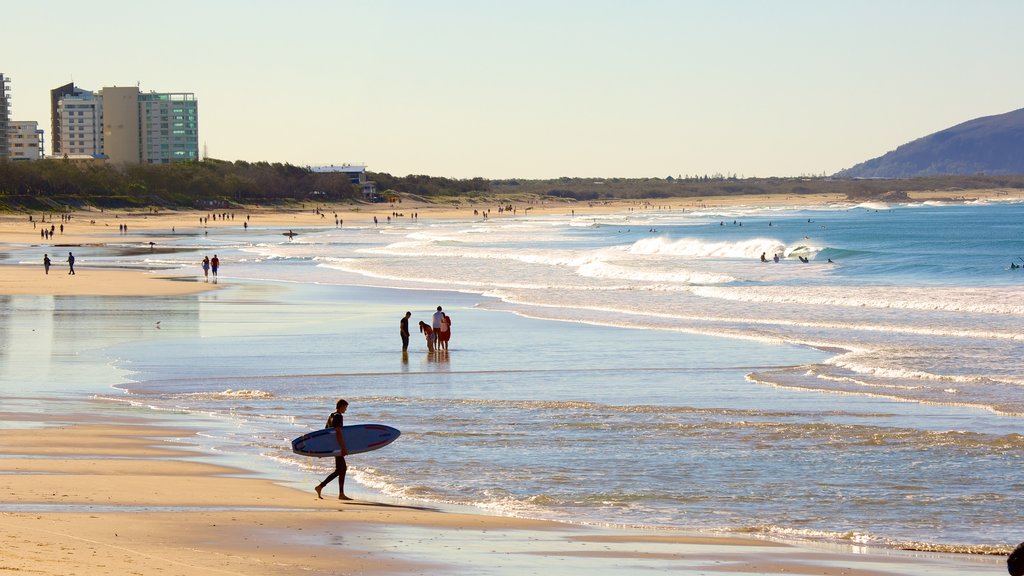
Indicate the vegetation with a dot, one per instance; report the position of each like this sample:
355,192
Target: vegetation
57,184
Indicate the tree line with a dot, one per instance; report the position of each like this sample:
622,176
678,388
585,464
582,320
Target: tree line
59,184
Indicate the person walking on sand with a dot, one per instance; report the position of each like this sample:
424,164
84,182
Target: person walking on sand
429,333
337,421
71,263
206,268
403,329
46,263
446,332
214,265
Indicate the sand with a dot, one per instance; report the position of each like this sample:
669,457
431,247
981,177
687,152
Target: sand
84,492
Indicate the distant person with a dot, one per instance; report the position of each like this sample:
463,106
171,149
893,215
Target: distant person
214,266
206,268
46,263
776,258
763,259
804,260
428,332
1015,562
446,332
71,263
403,329
337,421
436,321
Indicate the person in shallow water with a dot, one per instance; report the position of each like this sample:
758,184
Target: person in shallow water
429,333
337,420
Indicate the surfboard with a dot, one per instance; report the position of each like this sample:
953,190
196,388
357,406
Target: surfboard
358,439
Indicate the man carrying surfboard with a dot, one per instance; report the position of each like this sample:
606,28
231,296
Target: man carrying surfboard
336,420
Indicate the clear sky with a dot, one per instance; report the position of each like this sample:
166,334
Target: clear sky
537,88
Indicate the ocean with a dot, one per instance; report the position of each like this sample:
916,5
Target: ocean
641,369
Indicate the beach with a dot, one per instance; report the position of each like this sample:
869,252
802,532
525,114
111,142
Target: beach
119,450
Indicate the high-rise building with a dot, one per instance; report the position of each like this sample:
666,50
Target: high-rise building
76,126
121,133
77,122
170,127
25,140
5,116
124,125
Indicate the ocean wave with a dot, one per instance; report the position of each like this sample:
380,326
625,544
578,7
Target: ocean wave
599,269
230,394
696,248
1001,301
873,206
868,539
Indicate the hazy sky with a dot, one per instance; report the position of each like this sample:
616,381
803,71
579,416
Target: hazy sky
537,88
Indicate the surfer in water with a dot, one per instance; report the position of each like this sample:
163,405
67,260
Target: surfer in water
336,420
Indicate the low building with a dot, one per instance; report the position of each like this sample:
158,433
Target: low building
25,140
356,175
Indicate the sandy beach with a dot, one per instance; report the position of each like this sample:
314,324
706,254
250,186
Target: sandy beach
128,496
90,489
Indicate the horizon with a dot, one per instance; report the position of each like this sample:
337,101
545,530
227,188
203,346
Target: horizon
539,91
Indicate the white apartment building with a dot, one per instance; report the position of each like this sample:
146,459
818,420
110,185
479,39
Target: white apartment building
25,140
77,125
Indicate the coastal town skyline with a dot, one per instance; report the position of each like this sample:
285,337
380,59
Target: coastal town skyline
535,90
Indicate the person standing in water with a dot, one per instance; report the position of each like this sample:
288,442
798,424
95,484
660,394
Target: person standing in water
71,263
46,263
436,320
403,329
206,268
446,332
337,420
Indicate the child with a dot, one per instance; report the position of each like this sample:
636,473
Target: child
429,333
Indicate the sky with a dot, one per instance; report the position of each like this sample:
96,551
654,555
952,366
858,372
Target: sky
537,88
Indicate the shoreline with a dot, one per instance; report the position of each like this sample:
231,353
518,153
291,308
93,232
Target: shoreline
150,231
257,534
107,495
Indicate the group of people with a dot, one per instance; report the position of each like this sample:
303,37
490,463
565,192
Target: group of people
437,333
776,258
210,265
71,263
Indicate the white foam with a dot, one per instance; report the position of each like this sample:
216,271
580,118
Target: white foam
696,248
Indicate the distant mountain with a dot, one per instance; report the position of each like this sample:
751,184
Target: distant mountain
988,145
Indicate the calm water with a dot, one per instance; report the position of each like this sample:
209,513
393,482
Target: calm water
637,369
